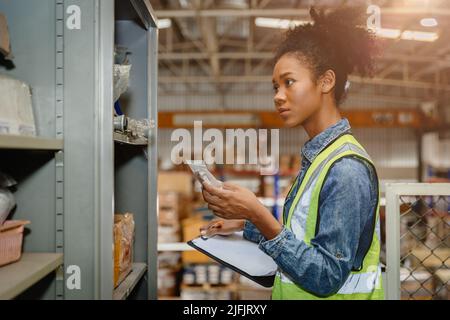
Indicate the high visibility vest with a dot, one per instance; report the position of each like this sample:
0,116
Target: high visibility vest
361,284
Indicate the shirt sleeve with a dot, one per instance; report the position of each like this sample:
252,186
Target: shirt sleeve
323,266
251,233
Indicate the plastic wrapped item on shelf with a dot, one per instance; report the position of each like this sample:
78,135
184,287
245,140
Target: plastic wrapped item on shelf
6,181
121,55
121,73
123,246
139,127
7,203
7,200
5,45
16,111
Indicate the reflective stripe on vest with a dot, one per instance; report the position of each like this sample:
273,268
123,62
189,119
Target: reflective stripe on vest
302,219
355,283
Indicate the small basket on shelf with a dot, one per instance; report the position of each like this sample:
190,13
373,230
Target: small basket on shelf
11,238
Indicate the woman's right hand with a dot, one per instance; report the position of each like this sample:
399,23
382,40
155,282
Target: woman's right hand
221,227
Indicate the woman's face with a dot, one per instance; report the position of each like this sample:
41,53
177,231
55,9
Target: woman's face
297,96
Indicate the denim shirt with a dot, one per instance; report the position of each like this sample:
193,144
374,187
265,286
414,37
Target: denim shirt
347,204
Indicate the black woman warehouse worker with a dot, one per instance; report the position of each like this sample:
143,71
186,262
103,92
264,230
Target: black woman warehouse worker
328,246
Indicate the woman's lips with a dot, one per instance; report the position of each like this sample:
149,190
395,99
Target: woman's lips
282,111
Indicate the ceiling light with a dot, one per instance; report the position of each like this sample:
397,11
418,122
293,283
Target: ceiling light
278,23
388,33
420,36
429,22
407,34
164,23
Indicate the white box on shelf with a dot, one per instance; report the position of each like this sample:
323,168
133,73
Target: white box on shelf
16,111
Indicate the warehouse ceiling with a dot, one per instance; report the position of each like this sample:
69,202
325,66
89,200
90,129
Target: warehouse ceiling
219,43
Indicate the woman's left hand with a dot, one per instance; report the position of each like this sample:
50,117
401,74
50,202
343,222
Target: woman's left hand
232,201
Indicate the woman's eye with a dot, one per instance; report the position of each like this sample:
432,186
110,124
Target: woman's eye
275,89
289,82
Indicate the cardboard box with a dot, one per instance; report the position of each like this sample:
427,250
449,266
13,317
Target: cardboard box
169,199
5,46
167,282
173,207
123,246
169,234
168,217
191,230
180,182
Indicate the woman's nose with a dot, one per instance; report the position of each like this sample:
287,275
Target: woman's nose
279,98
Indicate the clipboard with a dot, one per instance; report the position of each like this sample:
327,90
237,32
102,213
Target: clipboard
240,255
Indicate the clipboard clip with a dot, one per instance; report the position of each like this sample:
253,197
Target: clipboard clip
206,238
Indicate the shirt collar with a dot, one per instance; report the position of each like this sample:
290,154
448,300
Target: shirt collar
314,146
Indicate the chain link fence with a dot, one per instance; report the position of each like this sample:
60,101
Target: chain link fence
424,247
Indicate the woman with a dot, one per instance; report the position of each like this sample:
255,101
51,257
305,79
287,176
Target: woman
328,245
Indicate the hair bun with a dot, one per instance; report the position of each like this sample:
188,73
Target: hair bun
336,39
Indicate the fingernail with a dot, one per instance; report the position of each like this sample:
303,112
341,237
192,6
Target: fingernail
202,232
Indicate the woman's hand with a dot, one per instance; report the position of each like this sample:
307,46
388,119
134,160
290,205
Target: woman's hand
222,227
231,202
235,202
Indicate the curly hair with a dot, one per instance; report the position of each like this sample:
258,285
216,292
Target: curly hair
338,41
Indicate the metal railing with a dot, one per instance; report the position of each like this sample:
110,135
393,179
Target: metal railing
417,241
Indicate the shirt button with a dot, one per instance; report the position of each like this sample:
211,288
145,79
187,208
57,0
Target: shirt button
338,255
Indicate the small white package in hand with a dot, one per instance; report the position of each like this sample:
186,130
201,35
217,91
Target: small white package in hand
202,173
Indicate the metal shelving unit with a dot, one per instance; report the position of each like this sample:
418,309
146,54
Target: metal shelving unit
127,286
37,162
15,278
70,195
122,138
29,143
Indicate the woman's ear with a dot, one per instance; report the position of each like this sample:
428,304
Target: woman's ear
327,81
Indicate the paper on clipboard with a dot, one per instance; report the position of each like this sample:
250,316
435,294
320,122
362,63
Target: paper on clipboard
240,253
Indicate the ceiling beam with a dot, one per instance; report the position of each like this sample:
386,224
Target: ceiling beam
269,55
208,26
373,118
292,12
268,93
440,63
268,79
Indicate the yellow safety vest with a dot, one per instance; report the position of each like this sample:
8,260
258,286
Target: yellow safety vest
365,284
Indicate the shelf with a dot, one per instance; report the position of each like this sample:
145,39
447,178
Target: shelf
246,287
29,143
136,9
127,285
32,267
177,246
123,138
